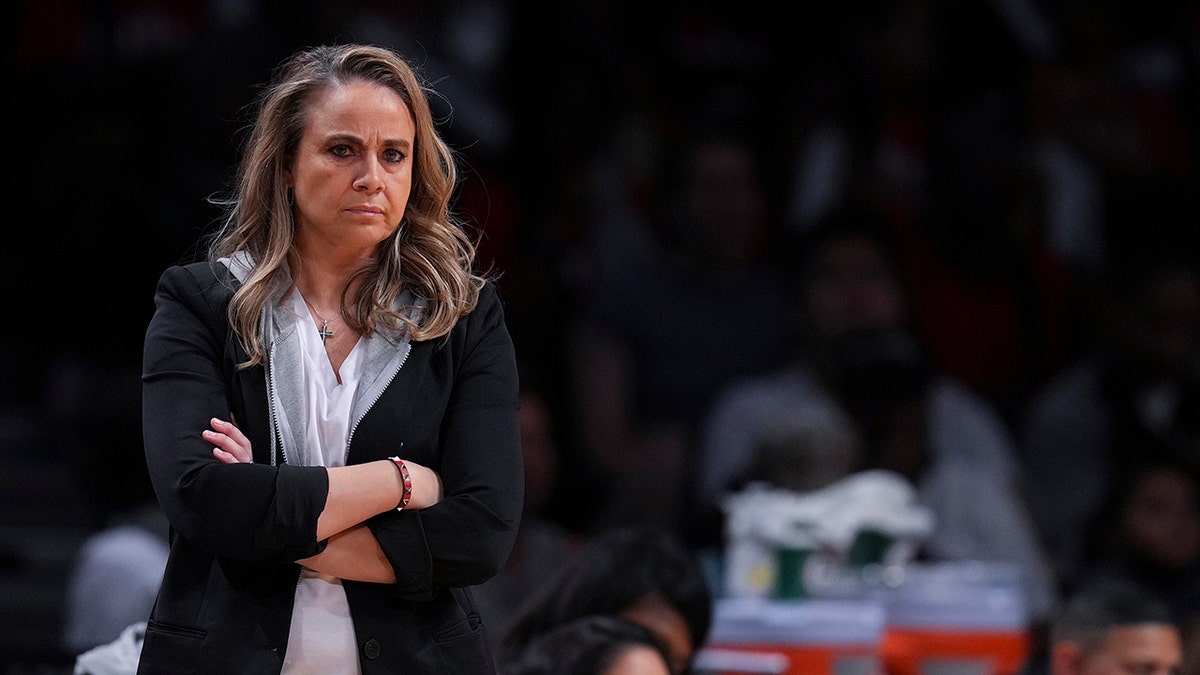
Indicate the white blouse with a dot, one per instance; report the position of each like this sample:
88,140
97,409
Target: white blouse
321,641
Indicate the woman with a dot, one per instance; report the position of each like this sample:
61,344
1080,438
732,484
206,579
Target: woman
330,400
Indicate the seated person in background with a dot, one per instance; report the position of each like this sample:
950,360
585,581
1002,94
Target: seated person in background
856,352
591,645
1135,390
1150,535
115,574
1114,628
646,575
655,339
114,580
805,448
543,543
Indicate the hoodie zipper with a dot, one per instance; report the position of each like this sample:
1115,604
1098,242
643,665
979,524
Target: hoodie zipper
273,411
371,404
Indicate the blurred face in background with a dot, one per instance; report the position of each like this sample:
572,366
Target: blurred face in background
726,203
1168,328
1161,519
853,286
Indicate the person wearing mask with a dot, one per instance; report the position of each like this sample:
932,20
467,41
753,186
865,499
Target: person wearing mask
330,398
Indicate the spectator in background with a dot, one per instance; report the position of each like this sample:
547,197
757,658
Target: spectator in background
1149,535
1114,179
991,298
658,339
862,121
1134,394
544,544
1112,628
592,645
115,578
643,574
115,572
855,351
801,448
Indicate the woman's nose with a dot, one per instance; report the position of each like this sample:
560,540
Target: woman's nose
370,177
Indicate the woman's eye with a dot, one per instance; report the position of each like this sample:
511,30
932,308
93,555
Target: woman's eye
393,155
340,151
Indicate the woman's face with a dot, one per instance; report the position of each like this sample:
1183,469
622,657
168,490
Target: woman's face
352,173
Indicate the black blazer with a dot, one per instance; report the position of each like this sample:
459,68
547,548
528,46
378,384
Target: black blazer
236,530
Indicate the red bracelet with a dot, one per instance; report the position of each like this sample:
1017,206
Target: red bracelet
404,475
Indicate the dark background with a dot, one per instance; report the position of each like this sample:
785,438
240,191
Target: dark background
124,117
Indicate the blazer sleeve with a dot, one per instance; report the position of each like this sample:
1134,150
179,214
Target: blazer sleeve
466,539
242,511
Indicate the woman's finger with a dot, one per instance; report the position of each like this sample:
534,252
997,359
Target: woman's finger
230,429
239,450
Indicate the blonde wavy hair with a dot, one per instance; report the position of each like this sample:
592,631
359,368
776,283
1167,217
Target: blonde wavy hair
429,253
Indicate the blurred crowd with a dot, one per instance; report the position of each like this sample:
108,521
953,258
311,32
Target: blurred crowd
737,242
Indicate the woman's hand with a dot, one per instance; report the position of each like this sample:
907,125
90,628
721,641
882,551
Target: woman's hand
231,445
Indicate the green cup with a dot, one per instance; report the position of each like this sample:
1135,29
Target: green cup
869,547
789,579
